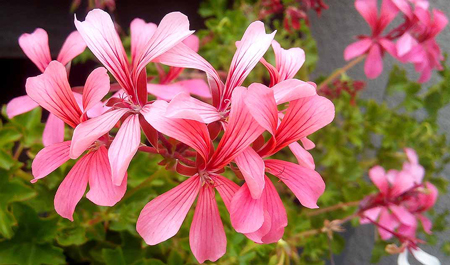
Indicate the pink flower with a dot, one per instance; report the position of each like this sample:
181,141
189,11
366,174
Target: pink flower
402,200
287,63
375,45
35,46
167,89
147,43
162,217
52,91
418,46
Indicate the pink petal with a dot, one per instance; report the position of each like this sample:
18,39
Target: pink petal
252,47
373,66
387,13
402,183
100,35
357,48
141,33
207,237
89,131
306,184
226,189
96,87
173,28
49,159
368,10
288,62
247,214
196,87
389,221
371,214
162,217
426,223
35,46
193,42
101,189
440,21
124,147
303,117
412,156
404,6
403,215
192,133
252,168
292,89
405,43
165,92
73,46
388,46
72,188
261,104
304,158
20,105
53,131
273,72
378,177
241,131
184,106
182,56
52,91
276,217
262,231
307,144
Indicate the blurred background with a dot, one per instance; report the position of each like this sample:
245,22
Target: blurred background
333,31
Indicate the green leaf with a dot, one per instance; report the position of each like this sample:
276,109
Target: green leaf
113,256
6,160
11,191
174,258
31,244
9,135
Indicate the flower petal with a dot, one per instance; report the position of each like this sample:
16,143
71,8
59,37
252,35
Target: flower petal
72,188
49,159
124,147
89,131
73,46
141,33
252,47
183,106
226,189
368,10
20,105
52,91
247,214
192,133
101,189
378,177
207,237
403,215
53,131
357,48
373,66
424,257
261,104
288,62
100,35
35,46
172,30
292,89
162,217
303,117
241,131
304,158
196,87
403,258
306,184
252,168
96,87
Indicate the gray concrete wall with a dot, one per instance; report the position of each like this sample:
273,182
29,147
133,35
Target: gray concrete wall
334,30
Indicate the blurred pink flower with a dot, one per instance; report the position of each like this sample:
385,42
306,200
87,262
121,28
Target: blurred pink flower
36,48
375,45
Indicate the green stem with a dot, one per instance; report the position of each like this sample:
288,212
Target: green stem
338,206
340,71
18,151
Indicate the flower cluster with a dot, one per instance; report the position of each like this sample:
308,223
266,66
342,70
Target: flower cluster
335,89
293,13
250,124
412,41
399,206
